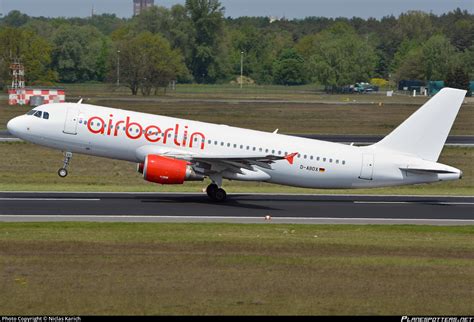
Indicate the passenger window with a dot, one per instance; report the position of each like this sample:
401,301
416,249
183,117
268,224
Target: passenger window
46,115
343,162
38,114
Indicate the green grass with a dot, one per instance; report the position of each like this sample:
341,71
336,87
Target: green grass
219,269
26,167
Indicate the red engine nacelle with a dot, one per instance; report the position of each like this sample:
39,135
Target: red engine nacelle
167,171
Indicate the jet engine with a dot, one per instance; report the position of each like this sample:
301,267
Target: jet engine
165,170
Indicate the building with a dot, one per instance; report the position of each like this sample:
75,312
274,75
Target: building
140,5
22,96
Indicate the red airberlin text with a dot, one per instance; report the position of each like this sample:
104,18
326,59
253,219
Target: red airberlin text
151,133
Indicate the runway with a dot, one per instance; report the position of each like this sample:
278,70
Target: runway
240,208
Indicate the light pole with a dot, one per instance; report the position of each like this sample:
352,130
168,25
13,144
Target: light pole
241,68
118,68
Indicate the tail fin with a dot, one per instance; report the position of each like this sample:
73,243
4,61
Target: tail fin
424,133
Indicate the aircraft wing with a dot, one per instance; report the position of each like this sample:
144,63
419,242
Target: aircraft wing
207,163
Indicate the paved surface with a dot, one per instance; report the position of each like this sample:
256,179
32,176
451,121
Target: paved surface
240,208
459,140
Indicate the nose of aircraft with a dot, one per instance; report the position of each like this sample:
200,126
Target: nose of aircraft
14,126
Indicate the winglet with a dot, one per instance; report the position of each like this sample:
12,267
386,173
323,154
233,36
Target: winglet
290,157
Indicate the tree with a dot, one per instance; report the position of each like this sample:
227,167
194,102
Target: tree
432,60
415,25
338,57
289,69
78,53
411,66
174,24
438,55
462,34
207,17
458,78
408,52
261,49
15,19
33,51
148,62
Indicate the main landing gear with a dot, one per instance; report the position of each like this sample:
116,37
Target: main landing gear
67,159
216,193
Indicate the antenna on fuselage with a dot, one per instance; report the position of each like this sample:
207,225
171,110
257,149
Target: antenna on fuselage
276,131
80,101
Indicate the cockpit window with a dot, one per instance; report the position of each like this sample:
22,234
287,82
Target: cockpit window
31,112
38,114
46,115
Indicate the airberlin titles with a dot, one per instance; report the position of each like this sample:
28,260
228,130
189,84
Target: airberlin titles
151,133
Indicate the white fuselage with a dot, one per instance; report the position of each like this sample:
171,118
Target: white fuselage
131,136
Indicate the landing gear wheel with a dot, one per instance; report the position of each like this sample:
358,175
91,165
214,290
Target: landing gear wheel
62,172
211,190
220,195
216,193
67,159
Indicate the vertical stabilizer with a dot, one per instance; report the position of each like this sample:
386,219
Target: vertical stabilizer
424,133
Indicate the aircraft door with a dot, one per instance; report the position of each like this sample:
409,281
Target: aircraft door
70,123
367,170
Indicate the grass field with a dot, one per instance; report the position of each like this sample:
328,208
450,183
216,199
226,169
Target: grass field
26,167
199,269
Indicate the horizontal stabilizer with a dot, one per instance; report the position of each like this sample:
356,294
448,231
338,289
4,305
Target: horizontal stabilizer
427,170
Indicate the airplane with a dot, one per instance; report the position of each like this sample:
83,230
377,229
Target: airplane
170,151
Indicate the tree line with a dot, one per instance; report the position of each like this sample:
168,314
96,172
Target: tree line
196,43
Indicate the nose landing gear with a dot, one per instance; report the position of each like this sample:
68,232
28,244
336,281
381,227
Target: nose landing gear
67,159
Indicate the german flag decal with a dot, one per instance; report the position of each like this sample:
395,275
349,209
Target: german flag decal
322,170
